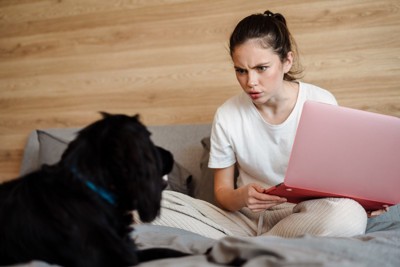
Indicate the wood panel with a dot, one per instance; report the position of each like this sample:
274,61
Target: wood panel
63,61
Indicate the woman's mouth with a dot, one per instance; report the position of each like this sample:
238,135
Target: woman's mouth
255,95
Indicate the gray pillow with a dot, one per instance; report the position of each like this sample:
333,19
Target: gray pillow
205,186
180,180
52,146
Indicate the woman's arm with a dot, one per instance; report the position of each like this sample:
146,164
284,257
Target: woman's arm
251,195
225,194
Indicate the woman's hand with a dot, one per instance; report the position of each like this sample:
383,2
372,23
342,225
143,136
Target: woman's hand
251,195
375,213
256,200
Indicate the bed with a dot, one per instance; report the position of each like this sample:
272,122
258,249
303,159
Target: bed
380,246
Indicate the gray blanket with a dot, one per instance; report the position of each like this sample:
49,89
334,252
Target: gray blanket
376,249
379,247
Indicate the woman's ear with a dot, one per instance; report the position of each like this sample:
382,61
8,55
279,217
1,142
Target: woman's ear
288,62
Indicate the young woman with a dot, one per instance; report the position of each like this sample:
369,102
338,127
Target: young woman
254,131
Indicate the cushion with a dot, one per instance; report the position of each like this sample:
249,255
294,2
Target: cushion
180,180
36,152
205,185
184,143
51,147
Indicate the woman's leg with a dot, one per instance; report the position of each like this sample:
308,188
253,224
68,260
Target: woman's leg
323,217
182,211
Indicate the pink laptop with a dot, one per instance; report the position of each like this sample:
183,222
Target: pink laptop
343,152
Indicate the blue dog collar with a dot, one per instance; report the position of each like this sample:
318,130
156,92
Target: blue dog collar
103,193
107,196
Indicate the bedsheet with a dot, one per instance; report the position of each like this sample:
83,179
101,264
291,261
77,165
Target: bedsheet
381,247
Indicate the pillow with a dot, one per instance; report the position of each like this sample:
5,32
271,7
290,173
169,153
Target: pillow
180,180
52,146
205,187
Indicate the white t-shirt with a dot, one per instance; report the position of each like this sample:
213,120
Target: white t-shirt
240,134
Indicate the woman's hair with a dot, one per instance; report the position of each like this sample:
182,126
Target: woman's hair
272,32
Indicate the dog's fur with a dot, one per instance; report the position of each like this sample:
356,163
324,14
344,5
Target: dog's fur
78,212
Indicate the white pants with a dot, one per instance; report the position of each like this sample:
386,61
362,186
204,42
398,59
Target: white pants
339,217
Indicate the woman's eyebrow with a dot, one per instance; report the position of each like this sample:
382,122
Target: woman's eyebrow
260,65
256,66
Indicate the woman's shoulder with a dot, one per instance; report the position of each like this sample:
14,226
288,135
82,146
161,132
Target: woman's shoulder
234,103
316,93
234,111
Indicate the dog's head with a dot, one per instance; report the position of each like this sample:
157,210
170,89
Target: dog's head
117,155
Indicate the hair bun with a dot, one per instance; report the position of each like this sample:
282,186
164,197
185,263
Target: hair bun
269,13
277,16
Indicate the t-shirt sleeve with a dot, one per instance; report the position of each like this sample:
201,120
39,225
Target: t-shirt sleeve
321,95
221,151
327,97
330,98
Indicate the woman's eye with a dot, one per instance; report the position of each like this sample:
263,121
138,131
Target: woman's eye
262,68
240,71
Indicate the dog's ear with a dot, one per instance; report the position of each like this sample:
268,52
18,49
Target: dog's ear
167,160
163,163
105,114
136,117
144,184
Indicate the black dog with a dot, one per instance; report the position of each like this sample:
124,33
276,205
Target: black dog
78,211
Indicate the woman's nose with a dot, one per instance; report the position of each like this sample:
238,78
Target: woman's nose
252,80
252,83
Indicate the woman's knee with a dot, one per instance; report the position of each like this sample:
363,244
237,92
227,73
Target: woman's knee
334,216
323,217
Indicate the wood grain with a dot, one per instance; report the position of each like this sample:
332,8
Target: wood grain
63,61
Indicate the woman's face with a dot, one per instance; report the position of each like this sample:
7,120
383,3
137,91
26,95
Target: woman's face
260,71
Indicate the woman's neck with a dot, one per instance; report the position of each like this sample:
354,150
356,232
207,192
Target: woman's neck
279,107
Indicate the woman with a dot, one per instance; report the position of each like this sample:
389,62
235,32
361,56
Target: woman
255,131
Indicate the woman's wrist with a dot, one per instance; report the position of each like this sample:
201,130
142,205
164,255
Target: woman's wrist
231,199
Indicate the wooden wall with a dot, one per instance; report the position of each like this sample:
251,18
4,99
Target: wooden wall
62,61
